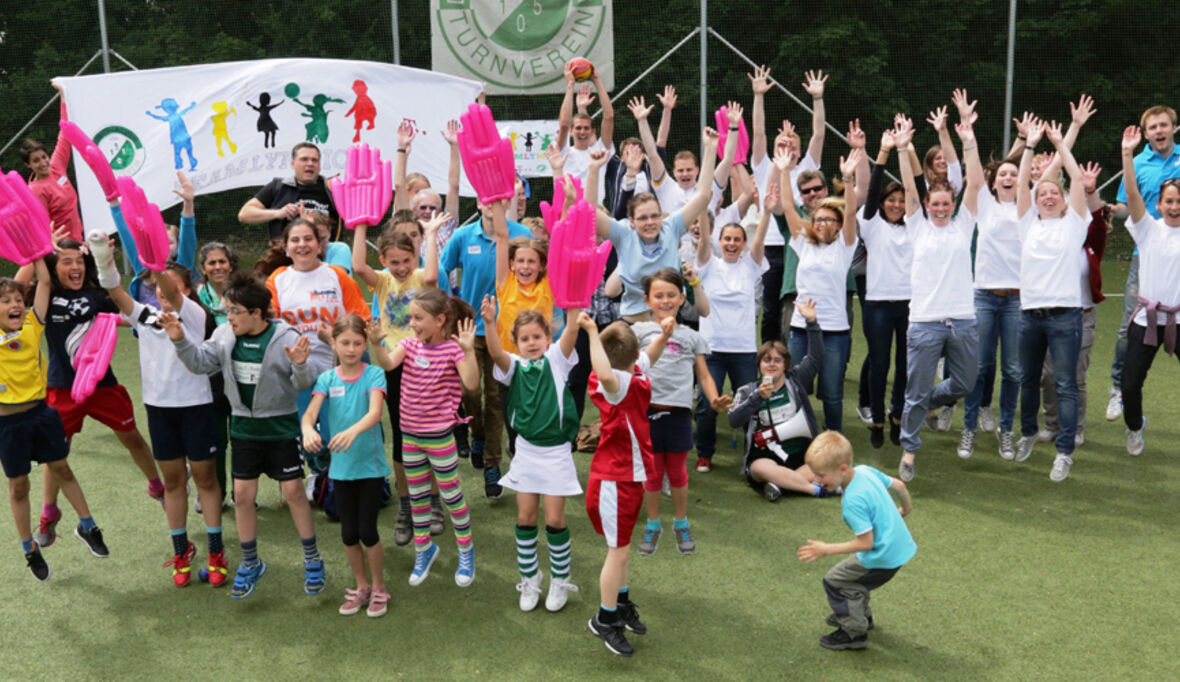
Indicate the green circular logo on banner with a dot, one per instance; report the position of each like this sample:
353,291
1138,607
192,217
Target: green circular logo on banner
519,44
122,148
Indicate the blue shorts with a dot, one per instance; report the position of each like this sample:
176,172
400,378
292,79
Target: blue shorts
671,430
36,434
179,432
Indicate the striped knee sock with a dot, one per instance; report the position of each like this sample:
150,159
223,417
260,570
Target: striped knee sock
559,551
445,462
418,480
526,550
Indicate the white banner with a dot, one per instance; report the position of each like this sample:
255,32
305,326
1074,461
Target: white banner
531,141
520,47
233,124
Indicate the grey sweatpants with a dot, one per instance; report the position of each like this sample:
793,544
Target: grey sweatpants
848,584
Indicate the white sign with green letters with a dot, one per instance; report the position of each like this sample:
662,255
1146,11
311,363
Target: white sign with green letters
519,47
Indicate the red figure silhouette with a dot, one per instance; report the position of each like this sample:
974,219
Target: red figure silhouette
363,109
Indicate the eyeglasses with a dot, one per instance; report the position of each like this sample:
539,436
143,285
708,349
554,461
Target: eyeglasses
811,190
824,220
235,311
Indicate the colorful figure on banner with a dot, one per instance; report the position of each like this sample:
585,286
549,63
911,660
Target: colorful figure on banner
528,141
220,131
181,140
363,108
512,139
546,141
266,124
317,124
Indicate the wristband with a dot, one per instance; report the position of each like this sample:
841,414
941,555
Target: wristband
695,282
401,150
816,99
1022,137
733,127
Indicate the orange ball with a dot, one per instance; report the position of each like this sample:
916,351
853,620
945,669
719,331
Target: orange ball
583,69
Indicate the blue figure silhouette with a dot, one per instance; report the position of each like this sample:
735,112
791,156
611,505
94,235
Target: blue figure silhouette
266,124
181,140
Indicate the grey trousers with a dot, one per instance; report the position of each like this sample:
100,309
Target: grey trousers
926,342
848,584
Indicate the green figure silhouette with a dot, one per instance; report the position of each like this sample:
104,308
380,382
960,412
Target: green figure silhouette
317,125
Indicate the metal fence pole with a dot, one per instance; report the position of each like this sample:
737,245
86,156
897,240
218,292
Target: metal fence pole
619,94
102,31
397,51
1011,71
704,61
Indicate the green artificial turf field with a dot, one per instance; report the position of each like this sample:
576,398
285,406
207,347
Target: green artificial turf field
1015,577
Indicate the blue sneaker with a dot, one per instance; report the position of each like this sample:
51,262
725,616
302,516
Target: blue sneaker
313,575
476,453
491,483
422,563
465,573
246,578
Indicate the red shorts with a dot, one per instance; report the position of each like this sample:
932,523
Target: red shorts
613,507
110,405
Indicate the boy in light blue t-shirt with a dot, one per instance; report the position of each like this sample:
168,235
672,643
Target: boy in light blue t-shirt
883,544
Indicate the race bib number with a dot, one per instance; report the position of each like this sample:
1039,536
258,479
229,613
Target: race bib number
247,372
336,392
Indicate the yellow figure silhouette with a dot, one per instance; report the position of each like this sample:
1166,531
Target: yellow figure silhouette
219,131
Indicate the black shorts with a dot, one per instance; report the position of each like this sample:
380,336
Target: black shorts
794,461
278,459
180,432
671,430
36,434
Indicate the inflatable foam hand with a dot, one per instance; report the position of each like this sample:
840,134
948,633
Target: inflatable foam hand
145,224
551,213
24,224
743,147
576,264
93,357
366,191
93,157
487,158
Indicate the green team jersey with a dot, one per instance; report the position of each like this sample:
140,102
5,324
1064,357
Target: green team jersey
247,356
540,406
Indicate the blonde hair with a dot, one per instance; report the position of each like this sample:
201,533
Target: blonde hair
828,451
832,204
1156,111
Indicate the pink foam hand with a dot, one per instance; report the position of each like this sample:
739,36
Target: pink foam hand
145,224
551,213
743,146
93,357
25,235
487,158
93,157
576,264
364,195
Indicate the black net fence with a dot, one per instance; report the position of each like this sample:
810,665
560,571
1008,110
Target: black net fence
882,57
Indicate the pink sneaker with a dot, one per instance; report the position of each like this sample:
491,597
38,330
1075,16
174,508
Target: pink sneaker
354,600
157,495
377,604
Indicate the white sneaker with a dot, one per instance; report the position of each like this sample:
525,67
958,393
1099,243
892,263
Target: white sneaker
1045,435
1114,408
905,471
865,413
946,415
1007,445
1024,448
966,444
1060,470
530,591
1135,442
558,593
1079,439
987,419
667,487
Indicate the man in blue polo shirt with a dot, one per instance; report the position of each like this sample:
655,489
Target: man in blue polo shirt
472,250
1159,161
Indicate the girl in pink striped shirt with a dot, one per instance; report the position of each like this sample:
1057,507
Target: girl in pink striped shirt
437,363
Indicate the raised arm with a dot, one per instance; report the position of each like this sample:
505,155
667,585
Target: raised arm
451,135
1024,176
487,310
565,116
815,87
848,170
668,103
569,335
606,129
721,175
705,243
640,110
1079,114
872,202
656,348
937,119
360,265
500,229
1021,134
857,140
1090,173
784,161
700,199
1077,190
44,289
760,84
430,255
599,361
405,139
901,138
758,244
468,367
1135,203
598,159
975,177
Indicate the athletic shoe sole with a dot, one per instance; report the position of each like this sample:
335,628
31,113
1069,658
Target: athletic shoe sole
594,631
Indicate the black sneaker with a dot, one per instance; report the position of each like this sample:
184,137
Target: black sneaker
477,454
611,635
93,540
876,436
840,640
629,614
831,620
37,564
491,482
894,432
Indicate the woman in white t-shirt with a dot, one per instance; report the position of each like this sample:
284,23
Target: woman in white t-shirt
1051,232
887,296
731,284
1159,286
942,306
825,244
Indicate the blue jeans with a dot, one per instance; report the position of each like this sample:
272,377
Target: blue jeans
926,342
1061,336
742,369
831,373
885,325
999,323
1130,300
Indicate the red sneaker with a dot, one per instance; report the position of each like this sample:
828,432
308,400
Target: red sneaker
181,571
46,529
157,495
704,465
218,569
